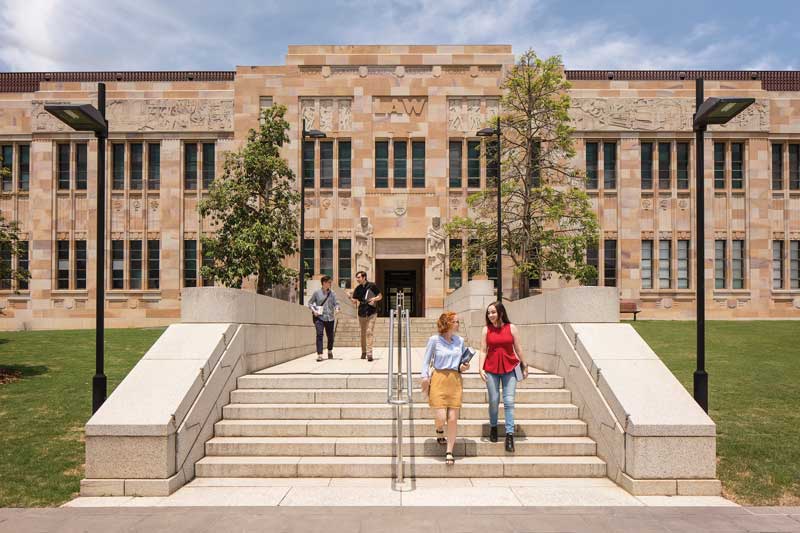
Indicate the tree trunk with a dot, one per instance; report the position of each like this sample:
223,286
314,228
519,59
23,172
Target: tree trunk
261,284
524,286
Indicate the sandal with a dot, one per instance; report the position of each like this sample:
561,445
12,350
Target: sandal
441,439
449,459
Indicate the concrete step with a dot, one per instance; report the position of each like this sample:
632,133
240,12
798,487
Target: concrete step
298,411
386,446
378,396
387,428
296,466
374,381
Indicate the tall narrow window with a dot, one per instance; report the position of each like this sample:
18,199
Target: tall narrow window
592,259
190,169
7,152
664,264
135,264
137,166
62,265
647,264
535,178
454,170
455,255
664,170
381,164
189,263
683,264
491,163
491,266
683,165
400,164
207,261
118,166
117,264
794,264
326,164
80,264
610,165
24,167
309,169
344,164
153,263
63,167
418,164
720,275
472,267
535,280
591,165
777,264
647,169
153,166
345,263
474,164
610,263
23,263
737,166
5,266
326,257
308,257
777,166
719,165
794,167
80,166
209,164
737,264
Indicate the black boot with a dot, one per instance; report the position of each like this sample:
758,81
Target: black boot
509,442
493,434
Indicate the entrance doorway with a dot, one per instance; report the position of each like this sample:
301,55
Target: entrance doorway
394,276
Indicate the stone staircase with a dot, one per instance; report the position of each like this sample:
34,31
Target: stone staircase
348,332
339,425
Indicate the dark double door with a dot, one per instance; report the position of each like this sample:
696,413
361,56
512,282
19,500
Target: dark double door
406,276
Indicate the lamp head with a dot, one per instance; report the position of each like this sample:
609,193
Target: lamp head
720,110
80,117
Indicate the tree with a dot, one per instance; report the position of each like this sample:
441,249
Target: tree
10,247
548,220
253,210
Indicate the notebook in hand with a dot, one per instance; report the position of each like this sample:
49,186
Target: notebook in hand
467,355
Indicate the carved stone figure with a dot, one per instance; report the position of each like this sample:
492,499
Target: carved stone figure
454,120
364,246
309,113
326,115
345,115
436,248
474,114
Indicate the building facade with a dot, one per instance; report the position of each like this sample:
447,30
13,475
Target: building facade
399,159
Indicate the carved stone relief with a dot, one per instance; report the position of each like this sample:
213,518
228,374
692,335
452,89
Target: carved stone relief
364,246
470,114
327,114
309,113
436,248
345,115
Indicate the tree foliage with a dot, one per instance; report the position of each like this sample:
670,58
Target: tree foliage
10,247
547,219
253,210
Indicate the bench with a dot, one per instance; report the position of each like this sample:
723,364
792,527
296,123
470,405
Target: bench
629,306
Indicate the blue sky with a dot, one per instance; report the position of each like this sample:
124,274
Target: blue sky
198,35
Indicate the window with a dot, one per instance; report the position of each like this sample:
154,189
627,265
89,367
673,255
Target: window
80,264
24,167
455,255
189,263
63,167
664,264
209,164
737,166
719,165
190,169
153,166
777,264
592,255
610,165
535,280
400,163
62,264
153,263
794,167
794,264
664,170
454,171
610,263
137,166
591,166
345,263
326,257
647,168
5,266
117,264
118,166
777,167
720,276
647,264
23,262
491,266
535,178
135,264
7,152
207,262
80,166
344,165
683,165
308,257
474,164
472,264
737,264
491,163
308,164
382,164
683,264
326,164
418,164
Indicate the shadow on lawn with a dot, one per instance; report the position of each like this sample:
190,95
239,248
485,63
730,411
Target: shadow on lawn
11,373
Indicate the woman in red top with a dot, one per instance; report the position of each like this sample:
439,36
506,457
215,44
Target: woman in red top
500,355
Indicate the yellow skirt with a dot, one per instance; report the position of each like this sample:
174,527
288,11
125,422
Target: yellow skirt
446,389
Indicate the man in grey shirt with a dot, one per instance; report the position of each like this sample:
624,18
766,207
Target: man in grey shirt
324,307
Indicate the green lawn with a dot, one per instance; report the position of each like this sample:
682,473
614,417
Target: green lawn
42,415
754,397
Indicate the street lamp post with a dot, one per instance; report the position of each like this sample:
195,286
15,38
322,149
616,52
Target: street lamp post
88,118
312,134
711,111
488,132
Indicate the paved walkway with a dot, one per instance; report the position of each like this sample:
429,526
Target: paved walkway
400,520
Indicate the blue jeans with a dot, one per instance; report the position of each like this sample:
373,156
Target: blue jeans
509,381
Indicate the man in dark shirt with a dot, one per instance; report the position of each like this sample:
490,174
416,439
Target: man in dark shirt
366,295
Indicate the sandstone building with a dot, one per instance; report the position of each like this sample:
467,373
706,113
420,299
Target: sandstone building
400,158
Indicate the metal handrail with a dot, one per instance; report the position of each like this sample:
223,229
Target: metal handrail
394,394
